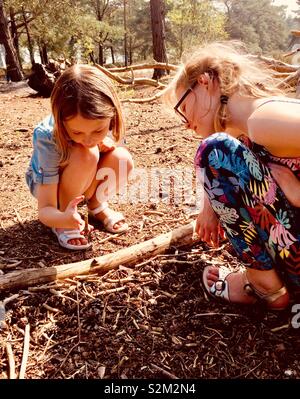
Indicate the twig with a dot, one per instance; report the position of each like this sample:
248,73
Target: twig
280,328
165,372
19,218
11,361
65,359
112,290
111,237
218,314
170,147
154,213
25,352
78,315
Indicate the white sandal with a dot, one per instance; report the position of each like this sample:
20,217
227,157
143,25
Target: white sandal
110,221
220,288
65,235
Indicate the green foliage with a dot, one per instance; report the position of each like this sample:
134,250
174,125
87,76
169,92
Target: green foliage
68,27
261,25
192,22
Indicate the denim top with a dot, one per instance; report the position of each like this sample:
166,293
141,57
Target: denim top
44,164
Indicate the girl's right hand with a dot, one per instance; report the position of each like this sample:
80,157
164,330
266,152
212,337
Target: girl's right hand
73,218
208,226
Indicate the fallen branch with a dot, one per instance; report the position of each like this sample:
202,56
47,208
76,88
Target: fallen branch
142,100
156,65
23,278
291,80
132,81
276,65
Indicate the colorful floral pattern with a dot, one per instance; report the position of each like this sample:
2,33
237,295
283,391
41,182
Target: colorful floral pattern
262,226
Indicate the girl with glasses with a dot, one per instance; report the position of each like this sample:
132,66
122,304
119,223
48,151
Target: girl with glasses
249,164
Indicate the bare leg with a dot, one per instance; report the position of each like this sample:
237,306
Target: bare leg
77,177
118,163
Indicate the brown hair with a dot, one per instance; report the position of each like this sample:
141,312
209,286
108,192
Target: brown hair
235,70
85,90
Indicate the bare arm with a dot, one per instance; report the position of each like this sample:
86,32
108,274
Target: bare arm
50,215
276,126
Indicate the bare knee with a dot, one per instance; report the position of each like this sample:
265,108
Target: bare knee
119,158
84,159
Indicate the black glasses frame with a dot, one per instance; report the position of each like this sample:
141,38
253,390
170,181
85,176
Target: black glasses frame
176,108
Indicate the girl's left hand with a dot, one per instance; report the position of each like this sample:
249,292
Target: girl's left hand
287,181
107,145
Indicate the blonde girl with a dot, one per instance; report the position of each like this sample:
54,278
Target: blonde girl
249,164
75,156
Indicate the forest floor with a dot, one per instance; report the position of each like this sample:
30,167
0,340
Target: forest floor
151,320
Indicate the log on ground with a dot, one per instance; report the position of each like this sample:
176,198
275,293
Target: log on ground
181,236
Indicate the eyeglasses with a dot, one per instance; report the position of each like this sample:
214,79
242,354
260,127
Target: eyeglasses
176,108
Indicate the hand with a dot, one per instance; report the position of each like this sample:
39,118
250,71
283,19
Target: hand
107,145
208,226
287,181
74,220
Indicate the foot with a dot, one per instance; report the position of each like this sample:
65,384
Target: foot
265,283
113,221
74,241
107,214
70,238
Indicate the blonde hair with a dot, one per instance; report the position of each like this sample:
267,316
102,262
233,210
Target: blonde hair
85,90
235,71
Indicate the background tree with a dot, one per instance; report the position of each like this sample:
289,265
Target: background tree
193,22
157,13
14,70
261,25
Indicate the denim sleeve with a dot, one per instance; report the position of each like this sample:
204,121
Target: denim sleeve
45,157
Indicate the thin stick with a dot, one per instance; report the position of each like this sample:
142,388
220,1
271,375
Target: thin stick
11,361
25,352
86,219
164,372
78,315
19,218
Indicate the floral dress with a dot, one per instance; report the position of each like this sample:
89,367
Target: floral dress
261,224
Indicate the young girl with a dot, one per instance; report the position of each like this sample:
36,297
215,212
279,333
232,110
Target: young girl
250,170
73,157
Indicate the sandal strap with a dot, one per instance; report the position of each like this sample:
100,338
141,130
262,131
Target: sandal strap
220,288
269,298
99,209
114,218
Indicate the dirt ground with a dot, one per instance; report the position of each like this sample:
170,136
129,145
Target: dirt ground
151,320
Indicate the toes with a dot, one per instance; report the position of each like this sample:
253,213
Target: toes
119,225
81,241
212,275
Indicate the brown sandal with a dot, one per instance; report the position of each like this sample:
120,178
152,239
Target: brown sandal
269,299
220,288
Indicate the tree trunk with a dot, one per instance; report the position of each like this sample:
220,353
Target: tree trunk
112,54
30,46
44,54
14,33
125,34
158,35
101,55
14,70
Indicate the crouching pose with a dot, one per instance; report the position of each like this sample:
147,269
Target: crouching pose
75,156
249,163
